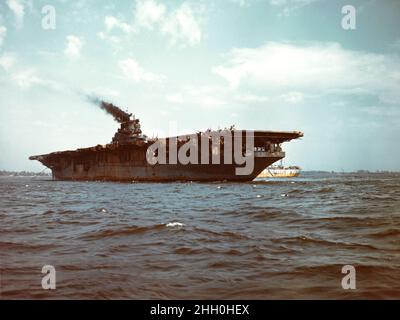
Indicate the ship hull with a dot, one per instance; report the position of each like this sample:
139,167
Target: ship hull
129,161
161,172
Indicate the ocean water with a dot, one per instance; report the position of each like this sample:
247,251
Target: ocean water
266,239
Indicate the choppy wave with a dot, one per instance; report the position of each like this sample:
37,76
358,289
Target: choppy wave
271,238
121,231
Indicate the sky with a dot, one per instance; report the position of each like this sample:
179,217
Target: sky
184,66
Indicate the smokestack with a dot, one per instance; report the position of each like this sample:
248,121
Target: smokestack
119,115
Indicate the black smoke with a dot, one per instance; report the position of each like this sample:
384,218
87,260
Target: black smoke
119,115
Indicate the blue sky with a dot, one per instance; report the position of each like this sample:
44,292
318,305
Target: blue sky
259,64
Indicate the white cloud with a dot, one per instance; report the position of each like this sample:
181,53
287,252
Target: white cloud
112,22
204,96
3,33
175,98
181,25
293,97
7,60
378,111
318,68
280,3
18,9
112,25
106,36
133,71
24,78
213,96
290,6
148,13
115,30
27,78
251,98
74,46
210,101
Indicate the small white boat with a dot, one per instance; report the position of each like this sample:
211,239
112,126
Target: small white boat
280,172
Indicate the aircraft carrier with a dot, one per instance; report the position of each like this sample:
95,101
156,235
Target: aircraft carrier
126,158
